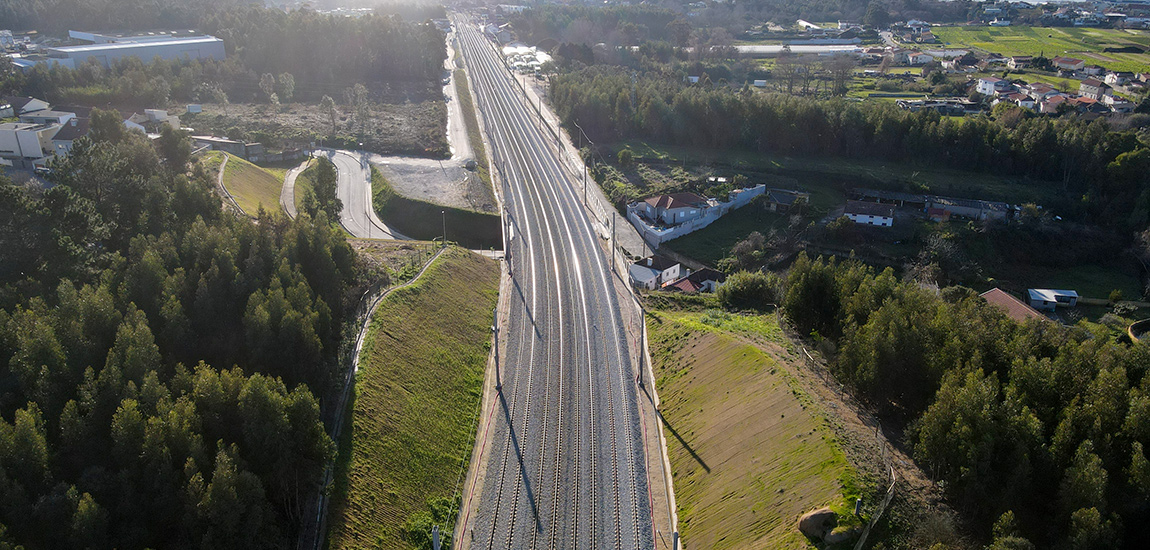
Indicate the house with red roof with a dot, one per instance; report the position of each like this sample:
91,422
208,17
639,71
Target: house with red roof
1013,307
673,209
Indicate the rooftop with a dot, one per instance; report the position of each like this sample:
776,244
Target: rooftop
1049,294
676,200
869,209
1013,307
134,45
73,130
657,262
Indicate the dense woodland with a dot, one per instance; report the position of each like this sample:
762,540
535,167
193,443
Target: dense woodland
1079,156
1037,431
159,356
323,55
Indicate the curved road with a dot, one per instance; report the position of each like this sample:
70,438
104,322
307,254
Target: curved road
566,465
354,191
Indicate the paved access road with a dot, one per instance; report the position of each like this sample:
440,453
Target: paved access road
354,190
565,465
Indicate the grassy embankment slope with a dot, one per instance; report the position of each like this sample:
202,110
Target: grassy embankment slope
419,383
424,220
474,136
1087,44
748,452
252,186
304,183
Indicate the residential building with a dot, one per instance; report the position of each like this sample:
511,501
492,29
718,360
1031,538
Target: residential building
1068,63
1020,99
703,280
992,85
1019,62
1094,89
1048,299
1013,307
780,200
1118,78
74,129
919,58
1093,70
1051,104
673,209
26,146
1039,91
46,116
870,213
25,105
651,272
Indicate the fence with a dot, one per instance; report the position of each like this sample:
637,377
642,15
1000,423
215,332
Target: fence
656,236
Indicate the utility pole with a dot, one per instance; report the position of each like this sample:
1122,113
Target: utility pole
612,241
444,214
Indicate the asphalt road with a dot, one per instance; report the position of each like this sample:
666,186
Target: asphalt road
354,191
566,467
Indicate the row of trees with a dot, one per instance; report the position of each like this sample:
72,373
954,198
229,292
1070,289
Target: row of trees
1048,423
1072,153
120,286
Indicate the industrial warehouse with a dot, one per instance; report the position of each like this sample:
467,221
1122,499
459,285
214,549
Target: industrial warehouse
107,49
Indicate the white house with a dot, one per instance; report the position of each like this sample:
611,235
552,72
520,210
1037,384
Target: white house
26,146
870,213
651,272
992,85
46,116
25,105
1048,299
673,209
919,58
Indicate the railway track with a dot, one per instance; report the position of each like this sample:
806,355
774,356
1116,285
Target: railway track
566,467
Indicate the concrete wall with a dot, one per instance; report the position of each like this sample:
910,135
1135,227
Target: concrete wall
655,236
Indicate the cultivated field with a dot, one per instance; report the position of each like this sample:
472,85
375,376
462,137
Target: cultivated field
252,186
1087,44
415,401
749,452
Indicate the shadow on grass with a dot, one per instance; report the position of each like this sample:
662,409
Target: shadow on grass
682,441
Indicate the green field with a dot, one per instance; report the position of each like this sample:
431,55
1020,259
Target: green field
424,220
1083,43
713,243
419,383
748,452
252,186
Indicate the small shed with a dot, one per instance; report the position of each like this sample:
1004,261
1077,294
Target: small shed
1048,299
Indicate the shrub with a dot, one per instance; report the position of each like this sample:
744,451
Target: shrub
747,290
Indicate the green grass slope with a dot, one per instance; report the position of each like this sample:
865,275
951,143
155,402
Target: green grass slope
747,454
416,393
252,186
